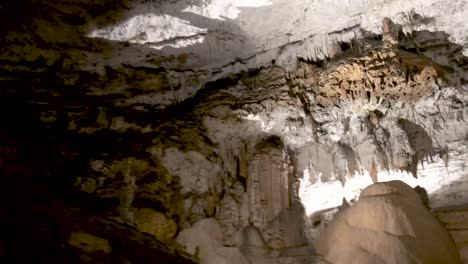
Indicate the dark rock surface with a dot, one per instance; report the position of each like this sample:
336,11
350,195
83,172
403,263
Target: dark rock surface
129,147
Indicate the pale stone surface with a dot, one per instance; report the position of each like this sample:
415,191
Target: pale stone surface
204,239
202,236
445,184
251,241
196,172
299,28
389,224
268,182
89,243
205,40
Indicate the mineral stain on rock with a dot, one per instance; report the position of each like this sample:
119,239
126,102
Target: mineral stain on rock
233,131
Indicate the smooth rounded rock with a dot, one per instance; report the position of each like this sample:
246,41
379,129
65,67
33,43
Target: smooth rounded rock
389,224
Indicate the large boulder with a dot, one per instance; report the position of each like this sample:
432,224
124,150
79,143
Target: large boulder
389,224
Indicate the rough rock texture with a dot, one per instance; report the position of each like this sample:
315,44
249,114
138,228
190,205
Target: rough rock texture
174,47
267,117
155,223
204,239
455,219
89,243
389,224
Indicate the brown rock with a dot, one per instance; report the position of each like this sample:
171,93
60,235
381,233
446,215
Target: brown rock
461,239
389,224
454,219
456,222
388,32
89,243
155,223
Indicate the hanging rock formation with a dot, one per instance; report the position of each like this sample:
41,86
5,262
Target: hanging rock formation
222,131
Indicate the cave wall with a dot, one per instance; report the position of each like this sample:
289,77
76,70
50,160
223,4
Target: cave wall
233,162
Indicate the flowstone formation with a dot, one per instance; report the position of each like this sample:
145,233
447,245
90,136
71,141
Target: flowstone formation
204,131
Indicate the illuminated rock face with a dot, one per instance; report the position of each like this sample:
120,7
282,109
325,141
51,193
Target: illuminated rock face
268,184
389,224
194,42
253,121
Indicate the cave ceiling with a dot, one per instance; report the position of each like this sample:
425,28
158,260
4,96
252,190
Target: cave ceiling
199,108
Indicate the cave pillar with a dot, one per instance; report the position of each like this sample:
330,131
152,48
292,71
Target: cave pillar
268,186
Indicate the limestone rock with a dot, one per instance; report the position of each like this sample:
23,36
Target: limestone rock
204,239
204,234
229,218
251,241
197,173
461,240
389,224
171,104
455,220
89,243
291,225
268,183
149,221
